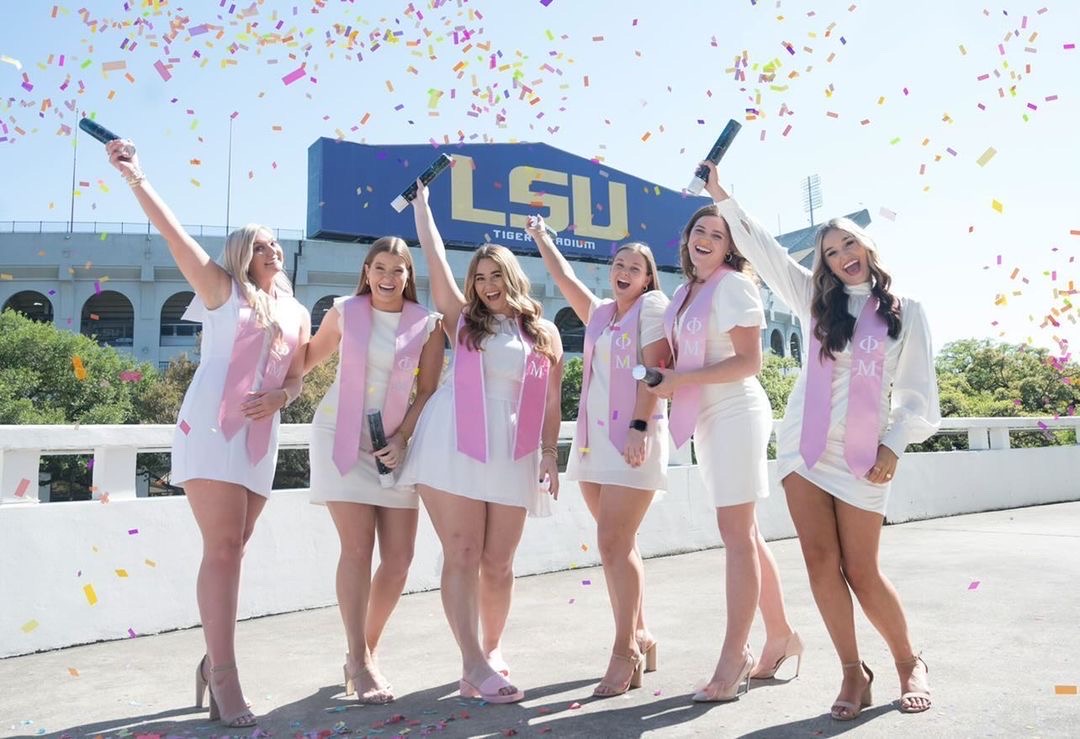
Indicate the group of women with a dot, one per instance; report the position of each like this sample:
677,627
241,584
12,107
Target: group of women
478,441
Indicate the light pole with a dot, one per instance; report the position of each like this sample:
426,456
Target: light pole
812,195
228,177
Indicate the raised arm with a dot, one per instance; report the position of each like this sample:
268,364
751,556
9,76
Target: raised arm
447,296
581,299
791,282
210,282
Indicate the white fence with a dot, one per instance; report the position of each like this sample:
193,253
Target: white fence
121,565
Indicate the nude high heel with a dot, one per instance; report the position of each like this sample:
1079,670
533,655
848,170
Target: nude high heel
245,719
731,691
848,710
652,660
201,682
793,648
633,681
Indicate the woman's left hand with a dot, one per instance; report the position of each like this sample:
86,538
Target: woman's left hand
264,403
667,386
637,447
549,468
884,468
393,453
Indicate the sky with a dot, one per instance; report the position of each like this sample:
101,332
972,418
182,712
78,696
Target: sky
955,124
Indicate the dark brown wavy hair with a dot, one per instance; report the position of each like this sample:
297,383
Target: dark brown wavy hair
479,322
734,259
396,246
833,325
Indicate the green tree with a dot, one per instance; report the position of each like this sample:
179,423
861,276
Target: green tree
51,376
571,388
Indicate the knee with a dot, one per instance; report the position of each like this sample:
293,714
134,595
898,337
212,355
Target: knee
224,549
821,560
739,539
614,545
861,577
461,554
496,566
396,564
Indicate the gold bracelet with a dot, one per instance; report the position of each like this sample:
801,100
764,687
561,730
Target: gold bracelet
136,178
552,449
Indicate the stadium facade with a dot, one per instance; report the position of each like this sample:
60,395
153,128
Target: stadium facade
118,282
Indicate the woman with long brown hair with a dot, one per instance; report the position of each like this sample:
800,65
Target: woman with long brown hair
620,452
867,389
224,450
501,402
714,327
389,350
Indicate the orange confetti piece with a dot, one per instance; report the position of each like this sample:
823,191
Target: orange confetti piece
1065,690
77,365
73,672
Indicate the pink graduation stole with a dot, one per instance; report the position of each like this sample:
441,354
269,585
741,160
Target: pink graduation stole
622,387
864,395
470,405
243,369
355,339
689,350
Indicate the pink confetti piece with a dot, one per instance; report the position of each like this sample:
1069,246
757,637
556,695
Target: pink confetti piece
974,585
131,633
165,74
574,706
294,75
21,488
185,427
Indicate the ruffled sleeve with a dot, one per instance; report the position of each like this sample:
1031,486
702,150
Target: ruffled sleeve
737,302
652,317
791,282
914,415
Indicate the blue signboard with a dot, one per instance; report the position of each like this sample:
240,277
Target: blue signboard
487,195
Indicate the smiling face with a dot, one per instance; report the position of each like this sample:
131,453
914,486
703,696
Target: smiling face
386,276
267,260
630,275
707,244
489,283
845,257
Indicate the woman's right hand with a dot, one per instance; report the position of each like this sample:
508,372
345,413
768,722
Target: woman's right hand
713,185
535,227
421,199
117,151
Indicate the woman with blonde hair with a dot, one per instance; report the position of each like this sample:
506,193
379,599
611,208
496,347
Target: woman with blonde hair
867,389
714,326
620,452
224,451
389,349
478,483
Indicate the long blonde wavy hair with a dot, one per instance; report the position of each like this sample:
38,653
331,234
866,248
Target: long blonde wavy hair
396,246
236,260
479,322
833,325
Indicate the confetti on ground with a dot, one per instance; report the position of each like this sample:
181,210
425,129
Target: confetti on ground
974,584
586,582
91,596
986,156
29,626
1065,690
73,672
150,563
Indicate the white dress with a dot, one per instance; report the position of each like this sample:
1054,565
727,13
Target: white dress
909,411
731,437
604,463
361,483
433,458
200,451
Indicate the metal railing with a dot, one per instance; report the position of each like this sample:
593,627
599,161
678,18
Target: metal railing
123,227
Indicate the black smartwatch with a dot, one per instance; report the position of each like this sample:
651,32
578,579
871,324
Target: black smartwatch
639,425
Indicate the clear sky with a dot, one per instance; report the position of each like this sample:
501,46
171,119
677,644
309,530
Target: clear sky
891,104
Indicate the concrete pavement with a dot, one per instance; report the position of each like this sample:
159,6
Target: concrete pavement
996,649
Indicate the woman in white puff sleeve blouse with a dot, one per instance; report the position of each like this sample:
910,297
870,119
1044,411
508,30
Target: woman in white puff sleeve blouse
867,389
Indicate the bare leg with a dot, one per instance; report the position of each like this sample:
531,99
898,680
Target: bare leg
621,511
460,524
355,524
590,492
396,529
773,612
226,515
860,539
814,514
738,529
502,534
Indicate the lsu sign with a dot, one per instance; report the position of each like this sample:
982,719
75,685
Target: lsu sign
488,193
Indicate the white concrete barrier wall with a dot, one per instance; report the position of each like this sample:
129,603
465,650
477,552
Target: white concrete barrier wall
140,556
